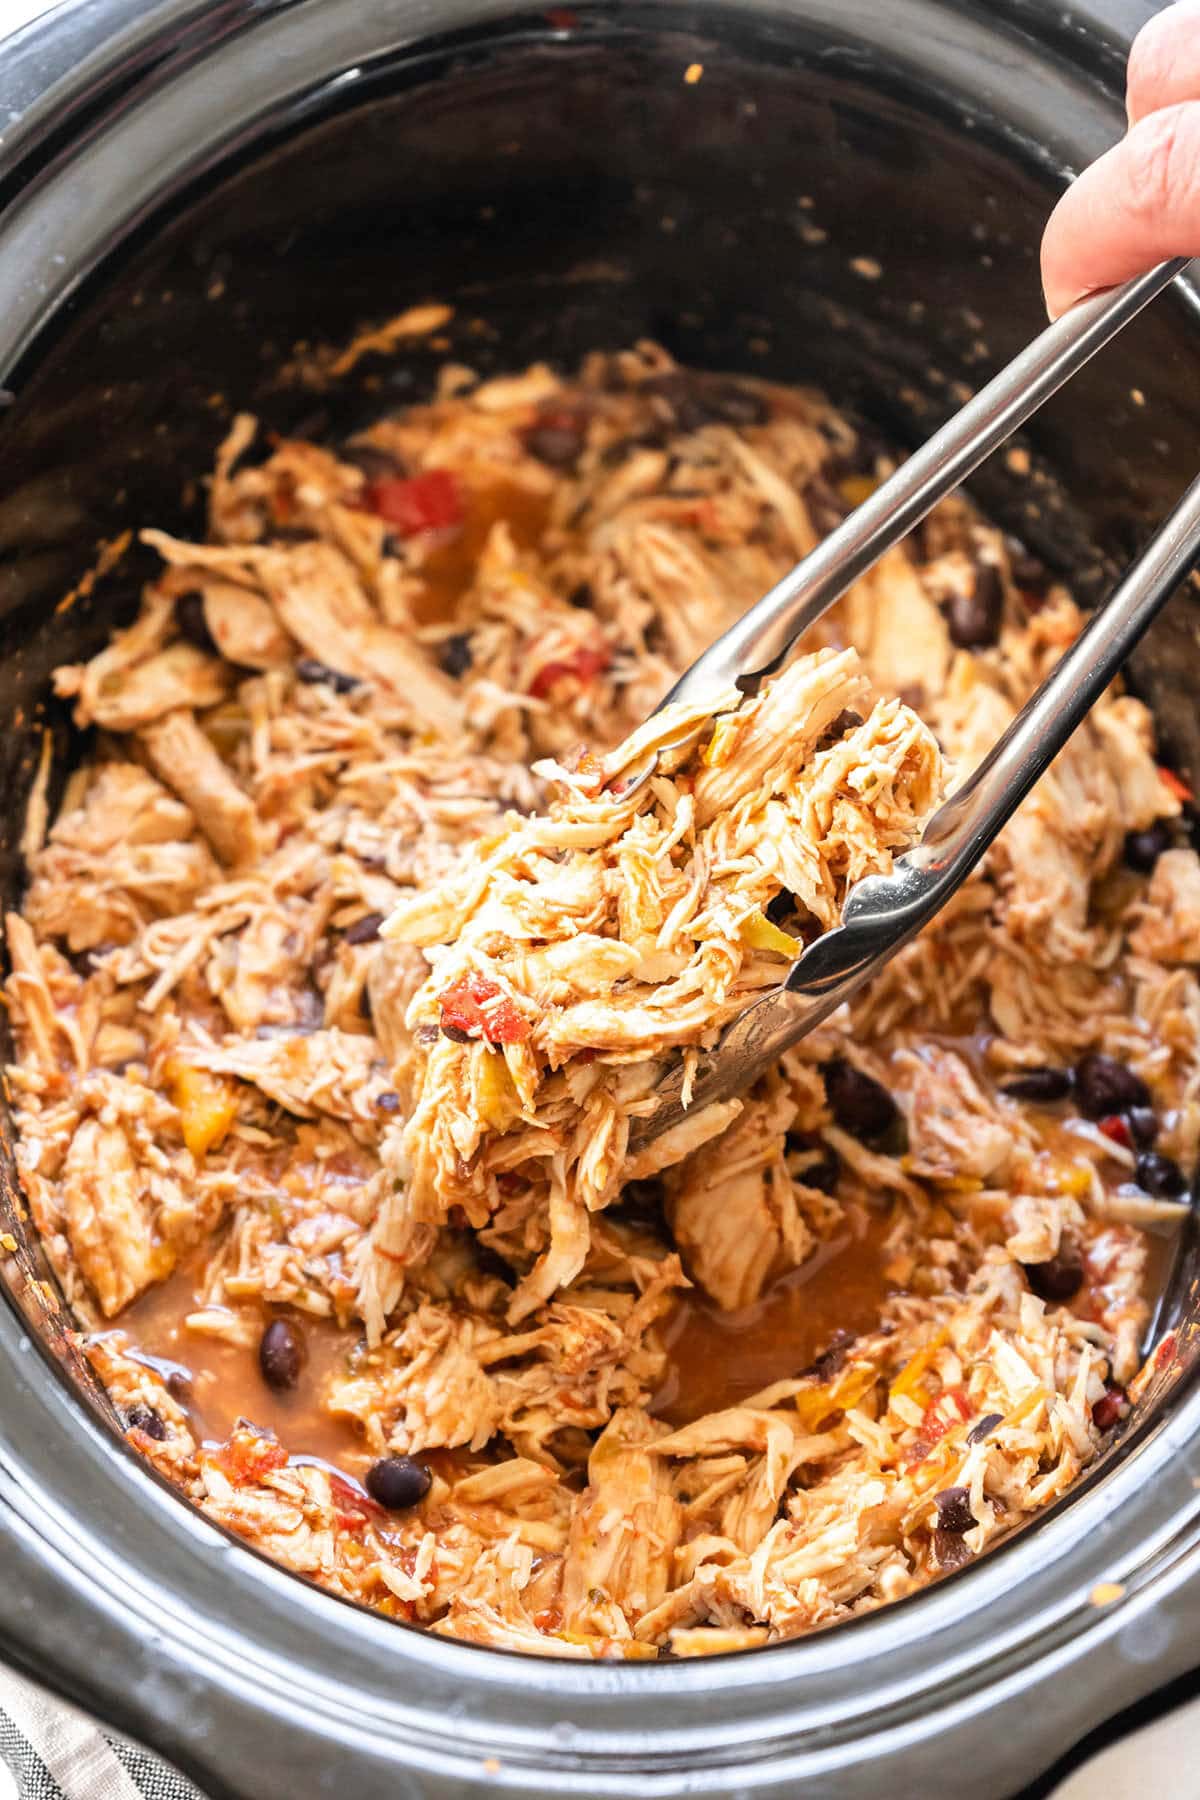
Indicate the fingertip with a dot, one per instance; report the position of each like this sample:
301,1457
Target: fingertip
1062,285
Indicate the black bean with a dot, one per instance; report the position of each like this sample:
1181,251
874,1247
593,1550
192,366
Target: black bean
558,446
1143,1126
974,619
397,1482
581,596
1059,1279
281,1354
1109,1407
1104,1086
1160,1175
455,656
982,1427
782,907
621,449
823,1173
860,1104
1028,571
837,728
1143,848
734,404
364,930
950,1550
310,670
191,623
832,1359
387,1102
456,1034
643,1201
678,392
1043,1086
954,1510
144,1418
376,464
694,400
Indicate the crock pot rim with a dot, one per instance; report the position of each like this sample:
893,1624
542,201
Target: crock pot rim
23,1483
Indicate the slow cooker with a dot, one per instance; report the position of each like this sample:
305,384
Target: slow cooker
851,192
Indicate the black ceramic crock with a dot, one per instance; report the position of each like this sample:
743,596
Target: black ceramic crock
192,189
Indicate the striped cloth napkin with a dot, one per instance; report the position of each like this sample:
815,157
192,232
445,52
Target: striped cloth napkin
53,1752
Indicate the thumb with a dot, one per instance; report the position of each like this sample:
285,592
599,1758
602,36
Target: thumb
1139,203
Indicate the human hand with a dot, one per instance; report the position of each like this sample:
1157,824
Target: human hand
1140,201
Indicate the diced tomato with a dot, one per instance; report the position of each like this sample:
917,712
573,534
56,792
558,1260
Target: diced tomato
478,1006
583,665
1175,785
550,1619
415,503
950,1408
1114,1126
1165,1352
352,1508
247,1457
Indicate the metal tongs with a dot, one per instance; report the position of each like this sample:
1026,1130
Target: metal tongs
883,912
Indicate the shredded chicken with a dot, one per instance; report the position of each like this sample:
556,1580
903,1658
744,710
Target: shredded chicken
628,923
376,912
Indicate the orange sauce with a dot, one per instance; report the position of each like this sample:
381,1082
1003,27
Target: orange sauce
720,1358
449,568
716,1359
224,1382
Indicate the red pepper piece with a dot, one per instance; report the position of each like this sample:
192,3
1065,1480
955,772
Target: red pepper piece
1116,1127
1176,785
940,1415
1111,1406
478,1006
583,664
415,503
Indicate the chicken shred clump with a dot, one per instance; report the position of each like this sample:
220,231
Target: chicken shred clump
575,957
383,900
